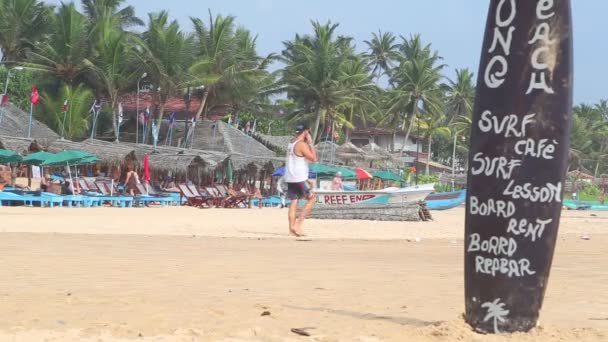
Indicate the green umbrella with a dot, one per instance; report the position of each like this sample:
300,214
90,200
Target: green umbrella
388,176
323,170
36,158
72,157
347,173
7,156
89,160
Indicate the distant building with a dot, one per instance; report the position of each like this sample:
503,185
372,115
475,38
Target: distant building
389,141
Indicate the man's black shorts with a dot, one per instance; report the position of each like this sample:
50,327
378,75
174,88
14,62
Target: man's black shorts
297,191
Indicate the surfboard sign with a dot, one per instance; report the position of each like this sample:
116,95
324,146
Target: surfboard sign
518,161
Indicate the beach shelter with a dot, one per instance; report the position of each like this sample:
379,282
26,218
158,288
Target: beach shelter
7,156
347,173
36,158
388,176
362,174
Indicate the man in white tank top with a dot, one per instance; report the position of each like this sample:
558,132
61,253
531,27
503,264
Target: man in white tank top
299,152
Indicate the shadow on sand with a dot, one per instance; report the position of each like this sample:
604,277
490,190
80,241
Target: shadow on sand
370,316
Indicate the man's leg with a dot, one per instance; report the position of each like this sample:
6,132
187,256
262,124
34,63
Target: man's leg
292,216
312,200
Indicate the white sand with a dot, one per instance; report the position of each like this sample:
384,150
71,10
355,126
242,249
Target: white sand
183,274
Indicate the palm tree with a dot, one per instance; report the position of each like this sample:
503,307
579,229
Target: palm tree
416,87
23,23
79,100
432,124
382,53
64,53
314,74
227,63
460,94
112,61
166,55
96,10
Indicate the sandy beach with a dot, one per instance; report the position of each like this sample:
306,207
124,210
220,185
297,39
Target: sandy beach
183,274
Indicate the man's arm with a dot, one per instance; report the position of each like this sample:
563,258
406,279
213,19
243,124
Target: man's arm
307,151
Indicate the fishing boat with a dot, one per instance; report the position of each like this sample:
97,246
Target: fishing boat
584,205
445,200
385,196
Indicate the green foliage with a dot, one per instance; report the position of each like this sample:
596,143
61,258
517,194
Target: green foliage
51,111
19,86
427,179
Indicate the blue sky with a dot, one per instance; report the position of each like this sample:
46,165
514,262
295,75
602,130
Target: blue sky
453,27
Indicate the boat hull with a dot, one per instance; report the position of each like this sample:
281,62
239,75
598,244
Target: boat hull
445,200
386,196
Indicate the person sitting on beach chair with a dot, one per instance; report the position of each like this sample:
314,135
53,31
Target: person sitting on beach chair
131,181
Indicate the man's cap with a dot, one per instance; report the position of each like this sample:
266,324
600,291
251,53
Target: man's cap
301,128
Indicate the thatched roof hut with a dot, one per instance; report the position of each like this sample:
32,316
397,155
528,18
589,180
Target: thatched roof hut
15,123
221,137
109,154
276,143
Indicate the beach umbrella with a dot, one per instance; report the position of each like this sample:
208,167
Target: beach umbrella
347,173
388,176
67,157
146,171
362,174
7,156
72,157
36,158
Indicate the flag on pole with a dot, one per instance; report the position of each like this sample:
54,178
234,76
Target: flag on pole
171,119
142,120
247,126
255,122
147,114
65,105
229,119
92,110
120,113
34,97
4,100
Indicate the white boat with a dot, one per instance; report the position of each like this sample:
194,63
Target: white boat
384,196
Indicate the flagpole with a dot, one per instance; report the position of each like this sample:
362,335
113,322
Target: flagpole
29,128
65,114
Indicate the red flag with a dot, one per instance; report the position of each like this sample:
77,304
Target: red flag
35,97
4,100
65,105
414,169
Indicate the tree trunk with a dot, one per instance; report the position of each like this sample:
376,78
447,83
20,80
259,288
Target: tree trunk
203,103
428,157
454,159
315,129
409,129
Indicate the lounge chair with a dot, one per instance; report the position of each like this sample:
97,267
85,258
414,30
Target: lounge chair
215,197
29,200
108,196
233,199
192,199
144,197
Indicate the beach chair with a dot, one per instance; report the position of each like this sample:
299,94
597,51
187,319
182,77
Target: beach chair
145,198
192,199
30,199
215,197
109,196
8,198
233,199
203,194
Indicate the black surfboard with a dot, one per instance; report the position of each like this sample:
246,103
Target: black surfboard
518,162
